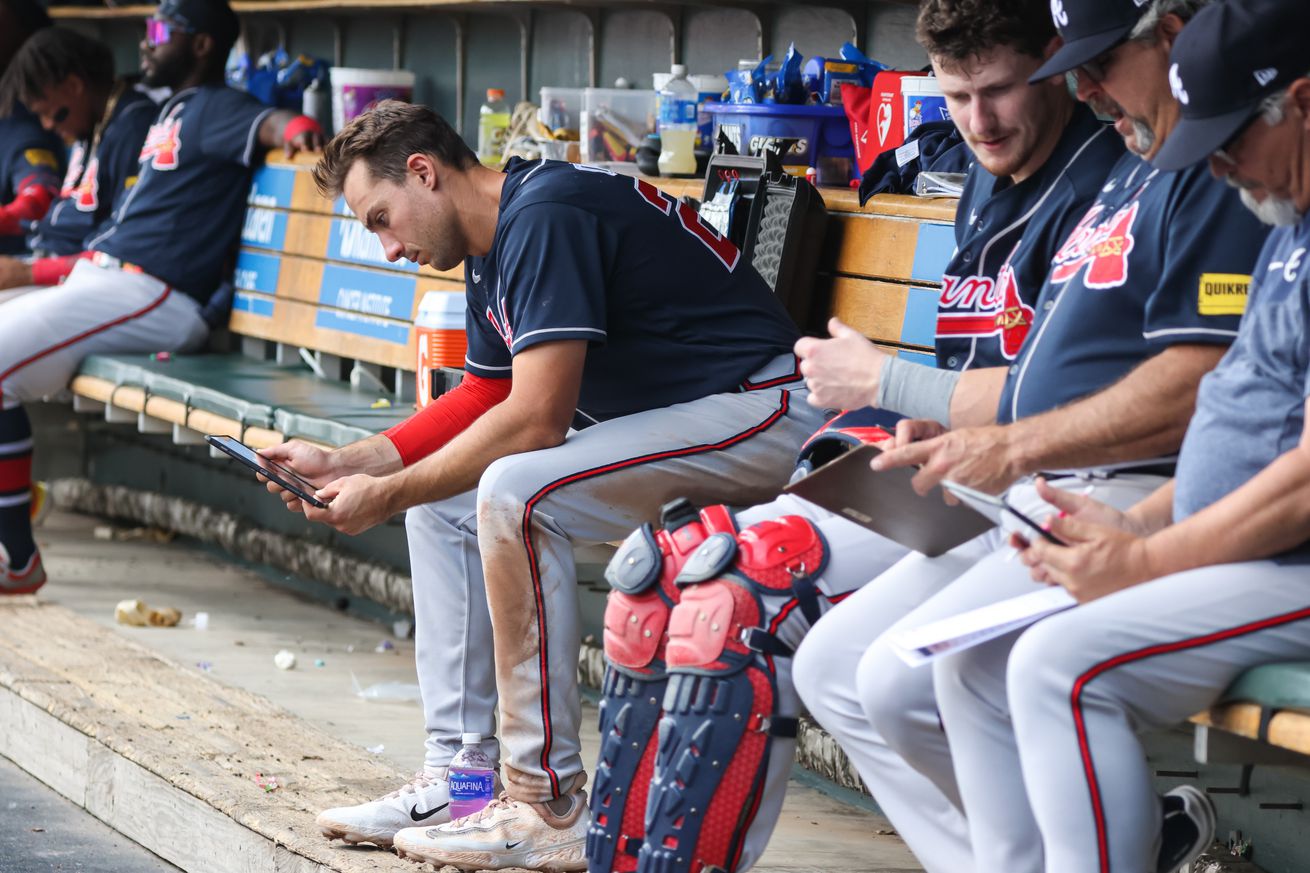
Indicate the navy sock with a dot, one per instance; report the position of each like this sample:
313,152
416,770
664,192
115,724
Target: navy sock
16,486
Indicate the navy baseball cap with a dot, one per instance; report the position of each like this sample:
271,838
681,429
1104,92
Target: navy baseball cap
214,17
1228,59
1088,28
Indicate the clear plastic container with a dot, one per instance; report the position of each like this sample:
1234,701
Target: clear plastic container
493,124
614,122
561,110
678,125
472,778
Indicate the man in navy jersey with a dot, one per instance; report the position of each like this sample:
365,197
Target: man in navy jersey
1040,160
67,80
1206,578
1134,311
143,284
597,303
31,159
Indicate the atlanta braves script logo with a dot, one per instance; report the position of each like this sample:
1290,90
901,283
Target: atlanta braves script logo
980,306
163,142
1102,247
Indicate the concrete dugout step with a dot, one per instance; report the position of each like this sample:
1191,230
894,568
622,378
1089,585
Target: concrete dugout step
168,757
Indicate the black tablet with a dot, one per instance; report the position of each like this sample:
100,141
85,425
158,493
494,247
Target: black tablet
268,469
886,503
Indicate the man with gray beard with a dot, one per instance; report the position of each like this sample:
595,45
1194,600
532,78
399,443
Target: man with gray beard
1139,304
1206,577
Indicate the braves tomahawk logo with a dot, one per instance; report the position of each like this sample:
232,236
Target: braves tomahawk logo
1101,247
163,142
980,306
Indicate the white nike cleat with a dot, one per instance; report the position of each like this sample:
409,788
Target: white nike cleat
506,833
424,800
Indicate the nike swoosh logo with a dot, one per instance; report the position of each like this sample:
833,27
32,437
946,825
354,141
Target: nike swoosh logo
510,846
419,816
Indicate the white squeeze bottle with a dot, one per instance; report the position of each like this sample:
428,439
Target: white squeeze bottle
678,125
472,778
493,123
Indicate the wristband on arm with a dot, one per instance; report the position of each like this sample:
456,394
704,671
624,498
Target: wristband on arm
916,391
446,417
30,205
298,125
53,271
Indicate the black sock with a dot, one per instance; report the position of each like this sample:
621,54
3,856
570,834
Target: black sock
16,487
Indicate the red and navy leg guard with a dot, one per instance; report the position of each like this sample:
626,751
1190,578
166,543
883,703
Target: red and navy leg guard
720,714
636,633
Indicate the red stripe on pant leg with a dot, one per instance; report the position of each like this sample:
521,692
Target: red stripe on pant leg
81,336
16,473
1080,727
537,592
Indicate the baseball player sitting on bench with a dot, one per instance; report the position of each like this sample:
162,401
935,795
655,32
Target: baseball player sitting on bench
595,302
1134,312
31,159
142,286
67,80
1206,577
1041,160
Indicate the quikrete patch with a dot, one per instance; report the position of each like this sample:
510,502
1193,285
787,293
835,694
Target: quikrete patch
1223,294
41,158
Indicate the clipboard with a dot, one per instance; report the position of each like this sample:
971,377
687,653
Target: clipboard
887,504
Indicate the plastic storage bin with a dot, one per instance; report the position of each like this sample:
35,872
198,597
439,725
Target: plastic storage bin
614,122
823,134
561,108
442,341
355,90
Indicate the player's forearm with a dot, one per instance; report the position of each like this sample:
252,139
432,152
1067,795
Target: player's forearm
510,428
1156,512
1268,515
976,397
1142,416
374,456
282,125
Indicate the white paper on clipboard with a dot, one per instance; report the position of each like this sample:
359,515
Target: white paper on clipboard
921,645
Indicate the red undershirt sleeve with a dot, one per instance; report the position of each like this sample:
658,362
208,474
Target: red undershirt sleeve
446,417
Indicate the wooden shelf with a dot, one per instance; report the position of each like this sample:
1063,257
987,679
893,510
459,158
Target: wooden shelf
254,7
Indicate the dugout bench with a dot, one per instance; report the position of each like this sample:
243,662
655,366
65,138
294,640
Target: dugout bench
324,325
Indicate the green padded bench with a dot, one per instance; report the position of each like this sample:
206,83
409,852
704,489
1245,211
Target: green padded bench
1267,706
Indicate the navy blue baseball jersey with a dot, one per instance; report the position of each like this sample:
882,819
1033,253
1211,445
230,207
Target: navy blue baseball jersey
99,176
671,310
29,155
182,219
1251,408
1153,263
1006,235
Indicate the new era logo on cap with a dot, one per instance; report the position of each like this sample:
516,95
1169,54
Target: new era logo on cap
1264,77
1176,85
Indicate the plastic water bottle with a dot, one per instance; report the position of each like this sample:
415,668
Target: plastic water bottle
472,778
493,124
678,125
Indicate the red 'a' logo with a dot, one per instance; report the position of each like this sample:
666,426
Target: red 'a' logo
1002,314
162,144
1101,247
88,192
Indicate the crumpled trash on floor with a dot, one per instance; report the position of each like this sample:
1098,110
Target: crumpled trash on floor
268,783
108,532
135,613
388,692
284,660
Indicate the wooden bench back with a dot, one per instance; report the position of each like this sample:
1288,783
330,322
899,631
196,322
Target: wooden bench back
309,274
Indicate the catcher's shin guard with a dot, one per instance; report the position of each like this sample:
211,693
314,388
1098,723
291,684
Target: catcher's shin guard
721,708
636,631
